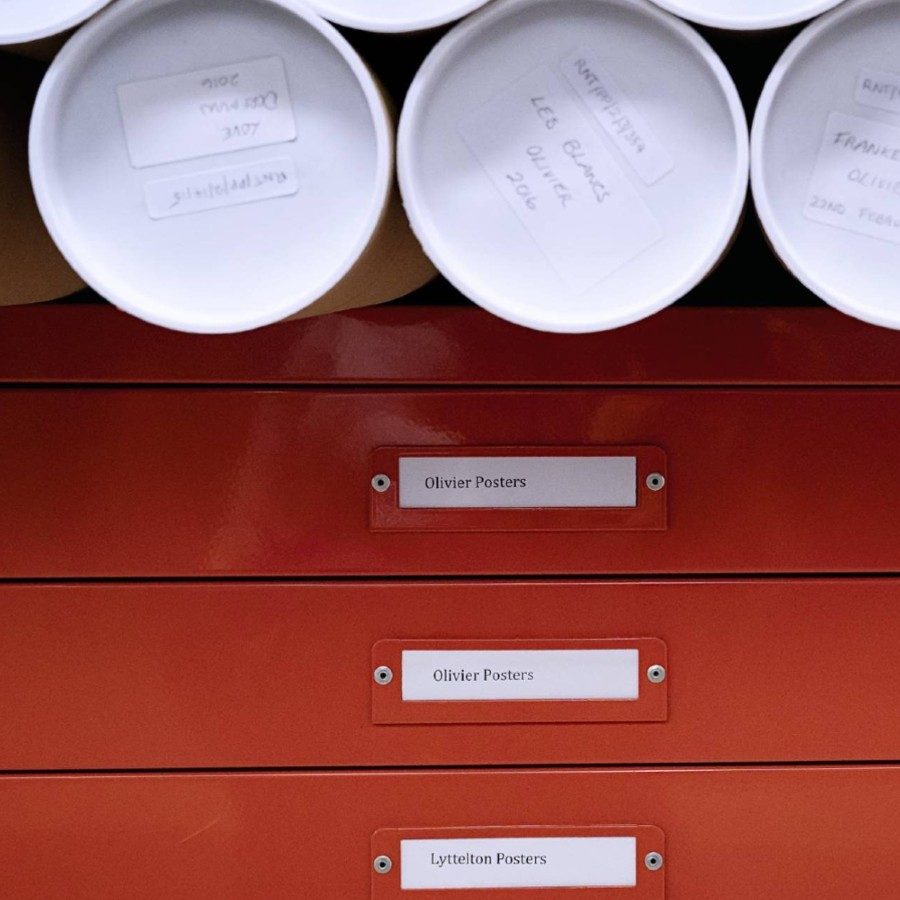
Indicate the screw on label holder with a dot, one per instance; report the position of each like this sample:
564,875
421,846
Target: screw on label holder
656,674
381,483
383,675
382,865
656,481
653,861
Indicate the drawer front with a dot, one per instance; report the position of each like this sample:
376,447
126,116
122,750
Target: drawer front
445,343
287,675
276,483
818,833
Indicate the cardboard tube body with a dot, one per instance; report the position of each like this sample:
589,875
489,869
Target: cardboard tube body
573,165
392,266
32,268
826,159
395,16
747,15
43,50
217,167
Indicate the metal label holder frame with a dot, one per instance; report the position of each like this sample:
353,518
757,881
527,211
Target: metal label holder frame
650,513
651,863
389,707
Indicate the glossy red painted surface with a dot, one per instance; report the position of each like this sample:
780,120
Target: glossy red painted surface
451,345
746,834
109,482
280,675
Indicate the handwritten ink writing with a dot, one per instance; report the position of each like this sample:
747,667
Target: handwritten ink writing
618,119
541,151
545,113
221,81
621,119
856,180
227,185
850,141
880,90
235,106
217,188
887,89
874,181
542,165
517,180
267,101
244,129
576,152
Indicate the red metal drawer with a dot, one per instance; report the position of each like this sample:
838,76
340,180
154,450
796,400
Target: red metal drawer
819,833
281,675
452,345
214,482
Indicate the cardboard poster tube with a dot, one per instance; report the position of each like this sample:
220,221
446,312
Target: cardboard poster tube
826,160
395,16
219,167
38,28
32,268
747,15
574,165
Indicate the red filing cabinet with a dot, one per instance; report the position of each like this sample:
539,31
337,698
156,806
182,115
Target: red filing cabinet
241,658
156,676
817,832
787,464
214,482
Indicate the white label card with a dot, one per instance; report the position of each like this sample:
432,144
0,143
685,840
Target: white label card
856,182
219,110
478,863
619,117
226,186
521,675
880,90
542,154
521,482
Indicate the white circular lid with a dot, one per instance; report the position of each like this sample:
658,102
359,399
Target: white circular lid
22,21
748,15
573,165
211,166
395,15
826,159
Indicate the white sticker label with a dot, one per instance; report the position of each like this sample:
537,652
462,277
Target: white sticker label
541,152
203,113
520,482
521,675
880,90
575,862
856,183
227,186
619,117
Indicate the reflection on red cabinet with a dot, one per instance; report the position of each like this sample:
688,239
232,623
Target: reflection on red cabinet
775,439
214,482
816,833
248,675
451,345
